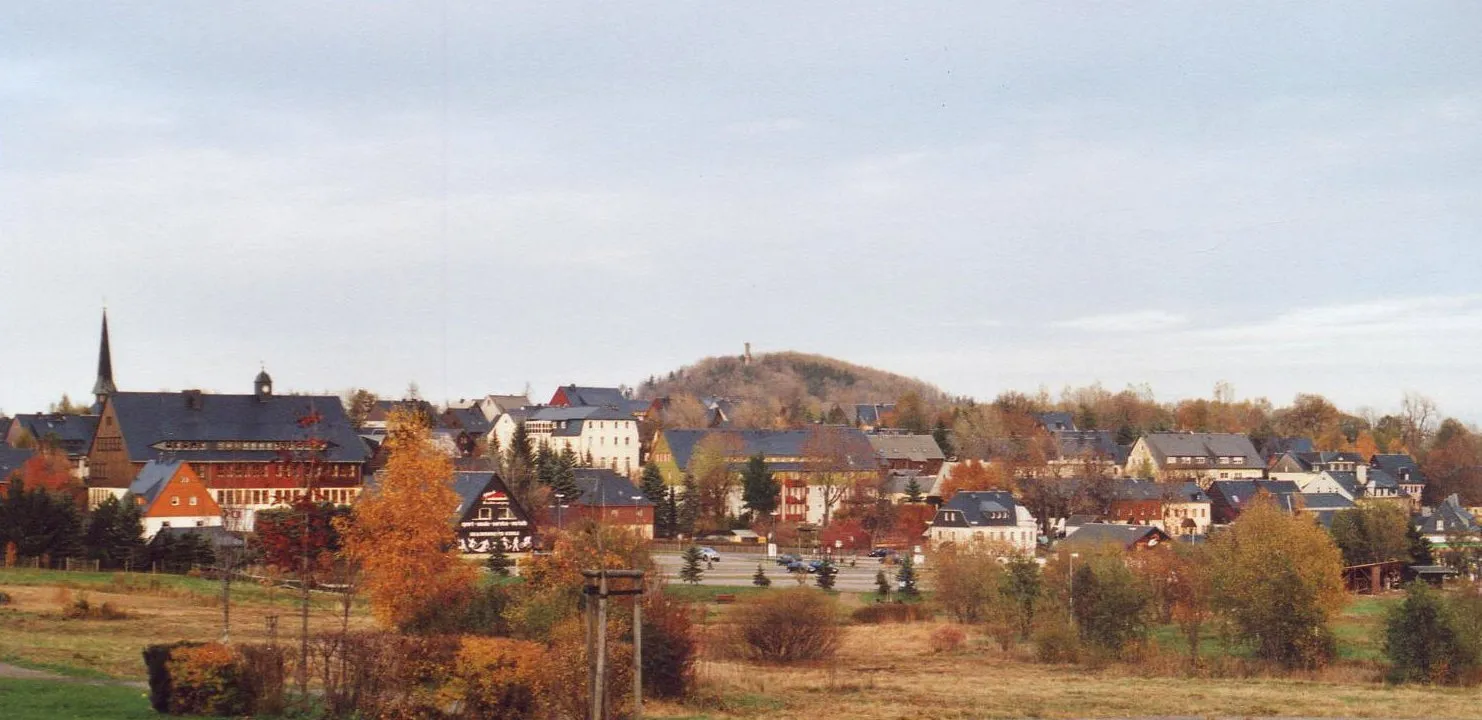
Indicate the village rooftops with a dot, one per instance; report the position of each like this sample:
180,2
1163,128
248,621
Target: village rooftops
11,460
1448,517
916,448
198,426
1123,536
72,434
153,478
1056,421
604,488
985,508
1401,466
1135,490
1214,450
776,446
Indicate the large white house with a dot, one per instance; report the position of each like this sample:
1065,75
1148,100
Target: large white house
607,435
991,517
1195,457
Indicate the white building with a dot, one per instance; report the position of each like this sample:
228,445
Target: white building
606,435
989,517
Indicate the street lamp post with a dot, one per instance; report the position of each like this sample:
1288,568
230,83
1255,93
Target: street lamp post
1073,556
559,505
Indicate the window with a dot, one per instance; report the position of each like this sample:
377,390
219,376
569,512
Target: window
194,502
486,513
175,502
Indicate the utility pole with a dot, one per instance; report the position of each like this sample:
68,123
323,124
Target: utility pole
598,589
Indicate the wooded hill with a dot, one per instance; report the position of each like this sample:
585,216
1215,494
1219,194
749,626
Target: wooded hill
797,381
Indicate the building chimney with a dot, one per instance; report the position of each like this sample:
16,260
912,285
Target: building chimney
746,358
193,399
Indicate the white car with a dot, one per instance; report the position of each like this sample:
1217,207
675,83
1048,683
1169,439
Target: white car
709,554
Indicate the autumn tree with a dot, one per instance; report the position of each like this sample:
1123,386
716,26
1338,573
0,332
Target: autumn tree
836,460
1372,533
359,403
911,414
282,539
710,465
1277,578
1418,414
65,406
1309,416
1453,465
975,475
685,411
402,535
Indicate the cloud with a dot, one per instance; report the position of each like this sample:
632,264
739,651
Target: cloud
1143,321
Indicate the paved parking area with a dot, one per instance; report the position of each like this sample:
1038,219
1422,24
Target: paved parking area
737,569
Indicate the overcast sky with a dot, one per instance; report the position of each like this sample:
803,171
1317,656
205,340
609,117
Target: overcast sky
474,195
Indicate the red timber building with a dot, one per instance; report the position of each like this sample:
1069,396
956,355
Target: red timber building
252,452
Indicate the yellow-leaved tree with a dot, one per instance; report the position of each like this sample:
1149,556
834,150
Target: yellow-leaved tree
402,534
1278,578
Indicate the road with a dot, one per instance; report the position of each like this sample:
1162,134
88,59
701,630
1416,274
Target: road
738,569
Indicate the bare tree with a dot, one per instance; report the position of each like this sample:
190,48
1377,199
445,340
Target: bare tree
836,460
1419,415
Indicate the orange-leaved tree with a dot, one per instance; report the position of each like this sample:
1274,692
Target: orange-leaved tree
976,475
402,534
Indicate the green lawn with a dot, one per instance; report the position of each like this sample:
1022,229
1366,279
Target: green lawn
52,700
1356,628
162,584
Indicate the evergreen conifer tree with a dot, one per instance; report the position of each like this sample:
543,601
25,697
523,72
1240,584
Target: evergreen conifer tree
545,465
499,561
691,572
906,576
826,574
564,480
689,507
913,490
944,440
760,579
653,484
759,488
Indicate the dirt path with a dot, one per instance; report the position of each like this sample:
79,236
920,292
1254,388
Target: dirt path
15,672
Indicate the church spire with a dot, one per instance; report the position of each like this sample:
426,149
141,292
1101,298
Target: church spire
104,385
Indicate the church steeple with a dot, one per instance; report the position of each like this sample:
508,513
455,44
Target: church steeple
104,385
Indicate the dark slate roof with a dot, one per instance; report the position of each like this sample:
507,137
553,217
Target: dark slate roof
469,419
1317,502
1071,444
1124,536
582,412
4,430
152,478
11,460
1239,492
1056,421
898,480
1178,444
612,397
986,508
1278,445
1380,478
916,448
218,536
1149,490
1347,480
869,413
1447,517
150,418
471,486
1400,465
605,488
73,433
1324,458
771,443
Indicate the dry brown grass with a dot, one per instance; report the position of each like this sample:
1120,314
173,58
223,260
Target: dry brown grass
33,629
887,672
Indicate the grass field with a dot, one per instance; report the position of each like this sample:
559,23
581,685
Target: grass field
33,633
50,700
883,672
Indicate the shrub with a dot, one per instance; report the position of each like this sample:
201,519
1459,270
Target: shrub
670,647
469,611
947,638
967,580
786,626
496,677
1423,643
1110,605
567,668
83,609
383,675
156,661
1056,642
889,612
207,680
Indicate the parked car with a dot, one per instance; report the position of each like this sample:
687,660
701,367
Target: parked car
798,566
881,552
708,554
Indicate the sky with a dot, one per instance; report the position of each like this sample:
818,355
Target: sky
477,197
